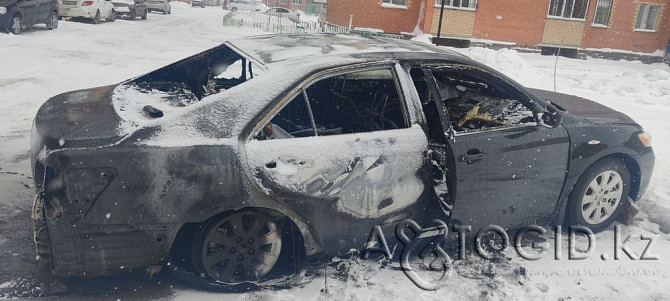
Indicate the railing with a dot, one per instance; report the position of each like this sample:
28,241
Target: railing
280,23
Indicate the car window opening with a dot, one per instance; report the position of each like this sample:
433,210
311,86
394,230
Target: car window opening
358,102
476,103
192,79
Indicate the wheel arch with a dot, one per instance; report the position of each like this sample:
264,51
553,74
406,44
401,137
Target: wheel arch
621,154
308,243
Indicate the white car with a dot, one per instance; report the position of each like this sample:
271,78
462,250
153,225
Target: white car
283,13
94,10
159,5
245,5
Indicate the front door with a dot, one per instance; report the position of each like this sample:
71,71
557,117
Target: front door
508,169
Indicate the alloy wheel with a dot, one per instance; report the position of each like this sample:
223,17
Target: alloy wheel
243,246
16,25
602,197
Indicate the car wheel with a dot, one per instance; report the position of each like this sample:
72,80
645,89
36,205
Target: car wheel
237,248
234,9
52,22
15,24
144,15
96,19
112,17
600,195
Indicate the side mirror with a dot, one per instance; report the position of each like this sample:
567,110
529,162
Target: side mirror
551,117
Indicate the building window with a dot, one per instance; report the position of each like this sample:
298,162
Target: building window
602,16
392,3
646,17
568,9
296,1
459,4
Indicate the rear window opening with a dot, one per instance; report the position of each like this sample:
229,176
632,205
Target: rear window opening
190,80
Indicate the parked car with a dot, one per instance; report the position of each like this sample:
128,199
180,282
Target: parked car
198,3
95,10
245,5
211,2
283,13
223,162
159,5
131,8
15,15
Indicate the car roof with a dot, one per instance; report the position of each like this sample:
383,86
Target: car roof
269,49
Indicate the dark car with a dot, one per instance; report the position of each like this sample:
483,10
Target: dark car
131,8
15,15
268,148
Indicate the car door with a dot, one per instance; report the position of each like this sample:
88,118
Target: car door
509,170
345,143
29,10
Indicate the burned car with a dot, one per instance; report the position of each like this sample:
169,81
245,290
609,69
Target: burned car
273,148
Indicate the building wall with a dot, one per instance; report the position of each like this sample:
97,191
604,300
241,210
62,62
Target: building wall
519,21
371,14
621,32
563,32
455,22
523,22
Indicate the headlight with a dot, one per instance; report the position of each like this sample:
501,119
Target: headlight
3,10
645,138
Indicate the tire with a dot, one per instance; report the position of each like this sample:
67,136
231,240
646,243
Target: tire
234,9
600,195
144,15
52,21
96,19
15,24
112,17
237,249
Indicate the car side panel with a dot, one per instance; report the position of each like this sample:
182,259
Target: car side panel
592,142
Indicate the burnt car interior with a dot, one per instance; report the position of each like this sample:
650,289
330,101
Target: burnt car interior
191,79
357,102
474,102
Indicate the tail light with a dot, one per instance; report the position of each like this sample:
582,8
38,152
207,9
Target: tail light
87,3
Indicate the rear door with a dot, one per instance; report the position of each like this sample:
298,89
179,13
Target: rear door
345,143
509,170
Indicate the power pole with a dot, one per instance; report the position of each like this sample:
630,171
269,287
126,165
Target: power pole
439,25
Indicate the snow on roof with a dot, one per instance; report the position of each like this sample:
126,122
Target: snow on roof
269,49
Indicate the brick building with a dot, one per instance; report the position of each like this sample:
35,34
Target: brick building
640,26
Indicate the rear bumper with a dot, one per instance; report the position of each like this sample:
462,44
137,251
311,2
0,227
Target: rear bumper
74,12
41,230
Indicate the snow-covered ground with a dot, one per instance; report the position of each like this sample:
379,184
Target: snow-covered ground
40,63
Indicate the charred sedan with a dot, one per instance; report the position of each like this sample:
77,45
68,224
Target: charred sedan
234,160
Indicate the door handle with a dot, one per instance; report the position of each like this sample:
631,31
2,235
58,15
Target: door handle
472,156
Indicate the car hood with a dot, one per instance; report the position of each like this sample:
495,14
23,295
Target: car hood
582,107
83,118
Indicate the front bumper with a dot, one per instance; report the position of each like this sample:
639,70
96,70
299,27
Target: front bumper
77,12
646,162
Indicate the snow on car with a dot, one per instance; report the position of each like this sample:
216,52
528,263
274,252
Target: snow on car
131,8
222,162
95,10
